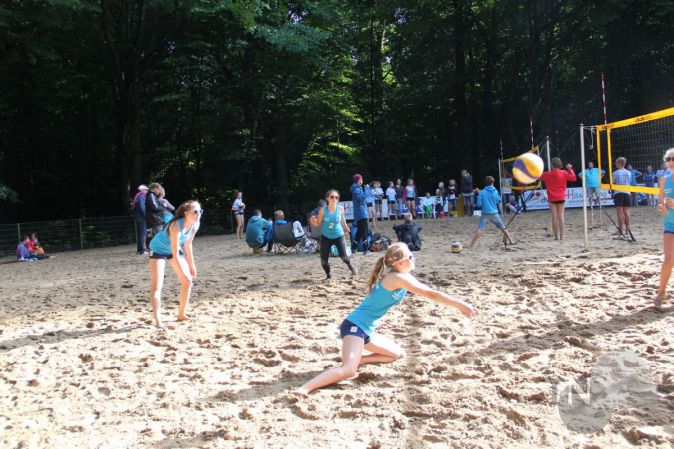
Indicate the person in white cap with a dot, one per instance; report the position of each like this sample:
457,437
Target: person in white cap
138,212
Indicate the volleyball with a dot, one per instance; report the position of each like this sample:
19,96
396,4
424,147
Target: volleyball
528,168
457,247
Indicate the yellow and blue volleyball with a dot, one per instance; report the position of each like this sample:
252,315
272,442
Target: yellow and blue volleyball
528,168
457,247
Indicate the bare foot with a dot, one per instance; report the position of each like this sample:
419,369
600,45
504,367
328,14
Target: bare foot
300,393
183,317
159,324
657,301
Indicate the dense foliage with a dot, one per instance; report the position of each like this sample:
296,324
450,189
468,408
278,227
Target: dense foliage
285,99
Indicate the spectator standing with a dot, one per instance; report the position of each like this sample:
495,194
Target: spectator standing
452,195
138,213
154,214
360,215
410,197
634,174
592,177
391,197
399,195
649,181
237,209
369,200
378,193
466,188
167,207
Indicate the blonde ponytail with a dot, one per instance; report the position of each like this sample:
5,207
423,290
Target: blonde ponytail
394,253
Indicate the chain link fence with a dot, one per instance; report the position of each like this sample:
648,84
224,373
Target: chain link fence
103,232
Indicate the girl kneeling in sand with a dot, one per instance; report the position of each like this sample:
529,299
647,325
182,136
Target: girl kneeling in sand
384,290
166,245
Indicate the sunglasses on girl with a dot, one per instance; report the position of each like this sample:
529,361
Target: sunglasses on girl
410,258
198,211
334,197
669,159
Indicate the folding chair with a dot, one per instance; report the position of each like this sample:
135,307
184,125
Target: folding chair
284,239
315,233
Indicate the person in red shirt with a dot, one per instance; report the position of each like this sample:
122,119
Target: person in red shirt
555,183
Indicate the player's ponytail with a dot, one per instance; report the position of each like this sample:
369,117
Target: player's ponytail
394,253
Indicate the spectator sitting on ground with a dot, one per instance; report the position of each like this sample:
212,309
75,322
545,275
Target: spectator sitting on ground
408,233
257,231
35,248
23,254
512,205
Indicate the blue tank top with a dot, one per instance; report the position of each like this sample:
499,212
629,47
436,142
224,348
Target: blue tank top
669,193
332,223
161,243
375,305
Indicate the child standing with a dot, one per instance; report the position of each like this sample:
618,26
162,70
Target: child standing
489,199
384,290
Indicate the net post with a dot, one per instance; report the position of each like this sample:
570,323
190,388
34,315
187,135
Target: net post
582,167
547,150
18,230
79,222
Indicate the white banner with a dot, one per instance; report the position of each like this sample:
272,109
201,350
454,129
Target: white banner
538,199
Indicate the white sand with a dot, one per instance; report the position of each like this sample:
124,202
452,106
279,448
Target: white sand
81,366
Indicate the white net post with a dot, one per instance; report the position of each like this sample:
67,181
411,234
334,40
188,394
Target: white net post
582,167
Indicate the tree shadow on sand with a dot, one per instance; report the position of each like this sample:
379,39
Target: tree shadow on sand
58,336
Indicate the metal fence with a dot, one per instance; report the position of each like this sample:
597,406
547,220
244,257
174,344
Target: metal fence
102,232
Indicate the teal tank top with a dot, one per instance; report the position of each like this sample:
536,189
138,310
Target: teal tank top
332,223
669,193
161,243
375,305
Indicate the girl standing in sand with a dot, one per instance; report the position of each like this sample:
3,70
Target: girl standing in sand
333,228
237,209
666,207
384,290
555,183
166,245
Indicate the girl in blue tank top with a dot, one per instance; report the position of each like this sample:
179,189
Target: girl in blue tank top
174,244
333,227
666,207
384,290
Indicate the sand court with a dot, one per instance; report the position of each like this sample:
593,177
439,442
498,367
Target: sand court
81,364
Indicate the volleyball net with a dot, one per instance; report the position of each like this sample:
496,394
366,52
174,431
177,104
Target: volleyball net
642,141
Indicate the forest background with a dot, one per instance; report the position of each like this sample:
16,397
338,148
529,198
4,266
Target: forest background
285,99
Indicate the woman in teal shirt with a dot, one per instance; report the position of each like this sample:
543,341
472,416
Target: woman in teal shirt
666,207
333,227
384,290
174,244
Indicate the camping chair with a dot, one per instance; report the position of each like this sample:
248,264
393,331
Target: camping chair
315,234
284,239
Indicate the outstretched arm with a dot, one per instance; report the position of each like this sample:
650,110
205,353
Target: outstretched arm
409,282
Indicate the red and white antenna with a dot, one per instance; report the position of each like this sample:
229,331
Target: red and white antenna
603,97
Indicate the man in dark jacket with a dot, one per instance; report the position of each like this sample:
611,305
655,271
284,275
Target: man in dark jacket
138,212
408,233
154,214
360,213
466,187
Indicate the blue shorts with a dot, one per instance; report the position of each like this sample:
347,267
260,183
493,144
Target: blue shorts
669,228
494,218
238,212
348,328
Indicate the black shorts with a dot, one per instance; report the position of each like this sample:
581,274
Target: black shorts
370,204
377,201
392,202
622,199
154,255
